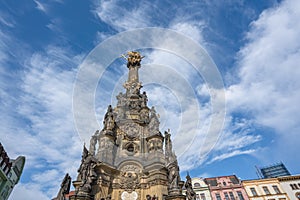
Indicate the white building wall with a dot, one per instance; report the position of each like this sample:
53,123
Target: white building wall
200,187
289,187
203,189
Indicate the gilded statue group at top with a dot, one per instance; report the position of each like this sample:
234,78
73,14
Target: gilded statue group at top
134,58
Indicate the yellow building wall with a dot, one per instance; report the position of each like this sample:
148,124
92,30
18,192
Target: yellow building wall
258,185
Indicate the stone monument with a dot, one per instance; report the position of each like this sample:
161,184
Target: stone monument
129,159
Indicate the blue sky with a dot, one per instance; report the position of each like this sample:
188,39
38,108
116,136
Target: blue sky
254,44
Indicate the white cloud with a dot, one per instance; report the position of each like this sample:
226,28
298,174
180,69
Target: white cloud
123,15
230,154
269,72
100,37
4,50
27,192
40,6
192,29
41,121
6,19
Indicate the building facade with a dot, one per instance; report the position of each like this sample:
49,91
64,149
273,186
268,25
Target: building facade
10,172
226,187
273,171
265,189
200,188
291,185
129,158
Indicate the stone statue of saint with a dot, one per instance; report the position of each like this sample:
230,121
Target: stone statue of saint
109,121
144,100
93,142
121,100
108,112
154,122
190,193
64,188
168,146
144,114
173,176
87,173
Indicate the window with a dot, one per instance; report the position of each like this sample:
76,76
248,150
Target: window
234,180
1,181
276,189
265,188
5,192
211,182
3,166
130,148
292,186
6,170
218,197
282,198
202,196
240,195
196,184
224,183
226,196
231,196
197,197
253,191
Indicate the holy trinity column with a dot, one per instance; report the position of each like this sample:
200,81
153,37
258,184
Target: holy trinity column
129,158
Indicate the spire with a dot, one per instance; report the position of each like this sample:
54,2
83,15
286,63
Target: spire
132,85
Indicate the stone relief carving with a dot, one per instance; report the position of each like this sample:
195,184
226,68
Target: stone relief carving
155,144
132,168
129,181
132,130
